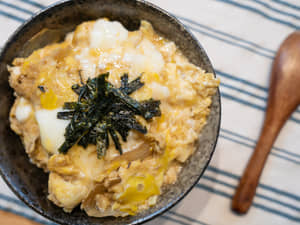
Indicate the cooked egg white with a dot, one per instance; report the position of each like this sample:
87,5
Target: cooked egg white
159,91
23,110
106,34
52,130
144,58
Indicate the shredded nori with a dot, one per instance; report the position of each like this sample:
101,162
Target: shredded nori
42,88
103,110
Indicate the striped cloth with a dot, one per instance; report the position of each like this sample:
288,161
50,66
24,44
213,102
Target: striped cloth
241,38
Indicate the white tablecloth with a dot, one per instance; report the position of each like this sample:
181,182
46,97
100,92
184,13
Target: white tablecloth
241,38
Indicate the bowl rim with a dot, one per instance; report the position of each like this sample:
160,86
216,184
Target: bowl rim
159,212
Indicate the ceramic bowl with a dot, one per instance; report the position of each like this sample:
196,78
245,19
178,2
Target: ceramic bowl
30,183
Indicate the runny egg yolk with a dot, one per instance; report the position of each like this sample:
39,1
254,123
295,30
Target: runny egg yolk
49,100
140,188
137,190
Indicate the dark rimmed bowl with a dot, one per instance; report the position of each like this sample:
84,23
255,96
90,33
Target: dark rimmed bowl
30,183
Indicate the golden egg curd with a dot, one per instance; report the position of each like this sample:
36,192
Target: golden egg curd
117,183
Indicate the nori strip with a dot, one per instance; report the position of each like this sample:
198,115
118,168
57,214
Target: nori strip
103,110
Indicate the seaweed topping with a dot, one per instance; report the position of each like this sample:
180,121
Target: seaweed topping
103,110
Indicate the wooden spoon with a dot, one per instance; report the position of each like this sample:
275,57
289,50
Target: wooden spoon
12,219
284,97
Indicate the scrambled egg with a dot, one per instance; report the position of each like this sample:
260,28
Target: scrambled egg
115,185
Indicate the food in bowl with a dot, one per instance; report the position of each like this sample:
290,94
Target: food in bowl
110,114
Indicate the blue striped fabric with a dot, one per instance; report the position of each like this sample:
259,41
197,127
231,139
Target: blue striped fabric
241,38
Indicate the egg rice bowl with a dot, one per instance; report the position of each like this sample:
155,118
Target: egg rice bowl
110,114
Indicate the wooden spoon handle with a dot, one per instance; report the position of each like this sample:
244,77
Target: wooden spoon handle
10,219
246,189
